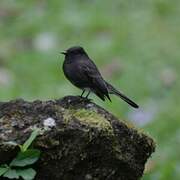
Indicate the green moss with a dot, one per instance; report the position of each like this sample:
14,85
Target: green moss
67,115
89,118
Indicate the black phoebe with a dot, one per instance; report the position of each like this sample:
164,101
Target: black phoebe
81,71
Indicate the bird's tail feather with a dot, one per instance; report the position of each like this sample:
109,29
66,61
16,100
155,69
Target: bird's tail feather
112,90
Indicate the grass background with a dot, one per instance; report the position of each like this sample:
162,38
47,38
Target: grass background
134,43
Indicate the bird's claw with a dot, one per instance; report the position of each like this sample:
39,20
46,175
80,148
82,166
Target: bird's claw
85,99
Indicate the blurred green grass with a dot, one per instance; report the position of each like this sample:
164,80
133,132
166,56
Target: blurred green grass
142,37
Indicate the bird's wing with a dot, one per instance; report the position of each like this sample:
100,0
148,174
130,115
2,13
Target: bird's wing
94,78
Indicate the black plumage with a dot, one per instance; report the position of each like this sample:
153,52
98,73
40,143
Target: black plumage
81,71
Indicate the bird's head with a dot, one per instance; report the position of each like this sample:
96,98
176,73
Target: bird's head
74,51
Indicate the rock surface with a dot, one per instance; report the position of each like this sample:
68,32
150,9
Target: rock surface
82,141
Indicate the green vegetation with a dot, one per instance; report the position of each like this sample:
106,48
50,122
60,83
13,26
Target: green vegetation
134,43
94,119
20,165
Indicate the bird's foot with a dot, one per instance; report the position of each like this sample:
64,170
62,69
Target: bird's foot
85,99
88,100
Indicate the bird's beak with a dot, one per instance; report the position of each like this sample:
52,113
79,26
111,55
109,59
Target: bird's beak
63,53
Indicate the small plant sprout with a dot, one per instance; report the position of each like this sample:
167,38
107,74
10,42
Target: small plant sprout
20,166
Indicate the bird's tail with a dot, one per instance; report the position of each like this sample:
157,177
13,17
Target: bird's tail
112,90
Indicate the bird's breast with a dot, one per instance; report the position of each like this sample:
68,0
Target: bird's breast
74,74
68,69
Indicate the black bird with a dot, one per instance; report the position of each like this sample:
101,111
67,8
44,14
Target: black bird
81,71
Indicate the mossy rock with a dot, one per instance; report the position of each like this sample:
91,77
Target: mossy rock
82,140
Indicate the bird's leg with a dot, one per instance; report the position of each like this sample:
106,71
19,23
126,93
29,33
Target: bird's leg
82,93
88,94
